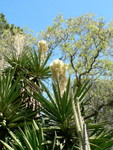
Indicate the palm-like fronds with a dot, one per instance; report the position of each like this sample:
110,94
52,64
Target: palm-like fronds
100,138
29,63
59,109
11,112
32,138
64,120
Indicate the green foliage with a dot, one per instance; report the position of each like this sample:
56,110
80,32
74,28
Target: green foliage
85,42
59,110
100,101
59,130
12,111
29,63
31,138
100,138
34,117
4,25
58,107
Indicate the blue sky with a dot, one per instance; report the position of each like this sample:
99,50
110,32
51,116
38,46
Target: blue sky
38,14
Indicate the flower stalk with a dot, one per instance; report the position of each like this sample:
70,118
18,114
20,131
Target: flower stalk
81,126
42,49
19,43
58,70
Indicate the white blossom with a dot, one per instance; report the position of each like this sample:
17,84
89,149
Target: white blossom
58,70
19,43
42,45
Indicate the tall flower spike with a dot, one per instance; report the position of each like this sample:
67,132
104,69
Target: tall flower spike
42,48
19,43
58,70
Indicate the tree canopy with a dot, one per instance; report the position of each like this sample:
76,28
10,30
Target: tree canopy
85,41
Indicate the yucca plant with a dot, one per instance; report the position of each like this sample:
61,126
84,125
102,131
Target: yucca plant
32,66
62,117
12,112
31,137
64,126
29,63
58,108
100,137
59,129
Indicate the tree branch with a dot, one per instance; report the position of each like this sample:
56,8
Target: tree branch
96,112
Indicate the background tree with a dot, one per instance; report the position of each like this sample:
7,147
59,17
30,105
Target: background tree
85,43
11,37
4,25
7,31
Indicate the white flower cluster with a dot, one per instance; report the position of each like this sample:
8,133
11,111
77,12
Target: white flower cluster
42,48
19,43
58,70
